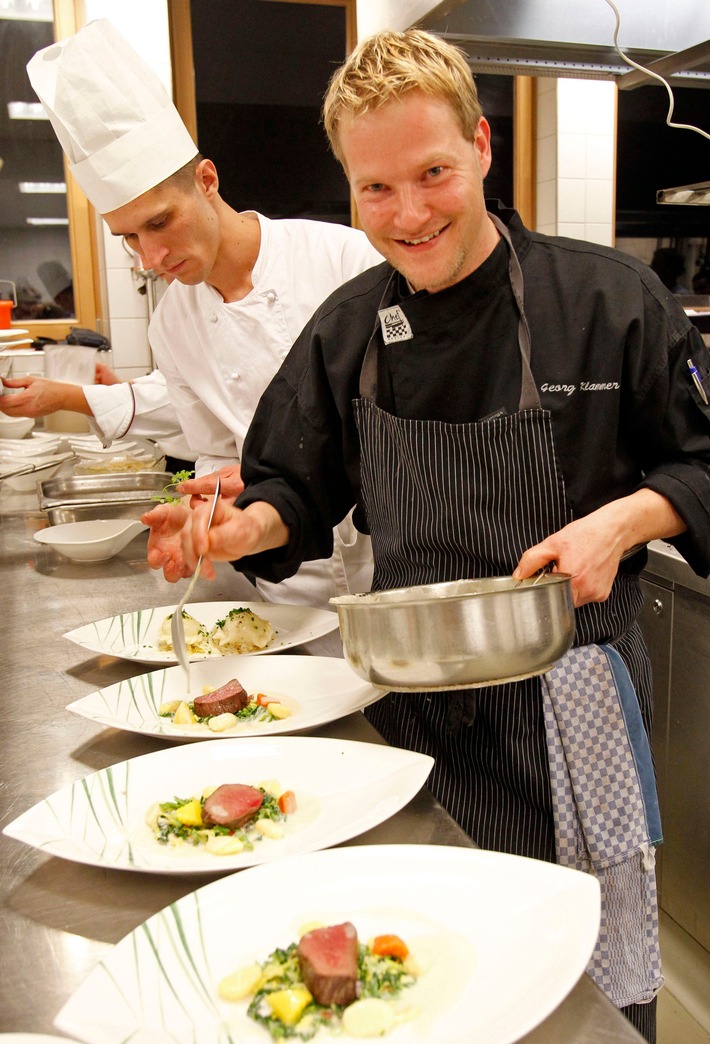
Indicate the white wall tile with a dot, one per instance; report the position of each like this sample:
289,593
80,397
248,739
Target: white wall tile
547,230
546,203
600,149
599,201
124,301
601,233
547,158
571,155
571,199
571,229
114,252
129,341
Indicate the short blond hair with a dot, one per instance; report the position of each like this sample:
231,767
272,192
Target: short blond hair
389,64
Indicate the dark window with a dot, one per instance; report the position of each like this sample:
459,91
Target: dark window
652,156
261,70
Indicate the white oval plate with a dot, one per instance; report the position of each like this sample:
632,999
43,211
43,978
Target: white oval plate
509,937
342,788
133,636
317,689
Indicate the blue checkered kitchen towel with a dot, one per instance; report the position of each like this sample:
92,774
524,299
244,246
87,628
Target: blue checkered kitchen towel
606,811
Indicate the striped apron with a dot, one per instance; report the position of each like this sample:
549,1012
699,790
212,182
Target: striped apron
449,501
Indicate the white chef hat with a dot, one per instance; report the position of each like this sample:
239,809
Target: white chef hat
114,119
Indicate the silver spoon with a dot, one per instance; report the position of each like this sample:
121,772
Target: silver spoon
177,626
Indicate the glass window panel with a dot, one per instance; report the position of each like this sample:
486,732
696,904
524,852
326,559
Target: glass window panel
35,252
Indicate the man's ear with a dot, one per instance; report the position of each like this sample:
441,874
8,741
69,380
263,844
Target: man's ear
206,178
482,145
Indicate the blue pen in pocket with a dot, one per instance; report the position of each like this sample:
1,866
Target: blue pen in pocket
697,380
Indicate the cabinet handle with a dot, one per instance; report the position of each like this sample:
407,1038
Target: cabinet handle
657,607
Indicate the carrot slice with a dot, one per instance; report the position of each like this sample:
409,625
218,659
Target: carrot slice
389,946
287,802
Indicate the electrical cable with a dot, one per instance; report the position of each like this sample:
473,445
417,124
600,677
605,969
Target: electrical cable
656,76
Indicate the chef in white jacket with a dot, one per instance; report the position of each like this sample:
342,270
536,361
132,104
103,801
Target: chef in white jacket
242,286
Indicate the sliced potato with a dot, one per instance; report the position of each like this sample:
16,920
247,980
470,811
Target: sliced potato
269,828
240,984
279,710
369,1017
151,816
169,707
271,786
224,844
183,715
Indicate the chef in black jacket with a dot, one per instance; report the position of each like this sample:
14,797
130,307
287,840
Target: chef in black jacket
492,400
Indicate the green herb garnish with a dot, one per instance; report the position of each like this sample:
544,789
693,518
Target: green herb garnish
167,495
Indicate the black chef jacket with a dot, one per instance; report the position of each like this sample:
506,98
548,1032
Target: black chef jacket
610,350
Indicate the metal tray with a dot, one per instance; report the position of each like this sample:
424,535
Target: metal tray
136,487
89,512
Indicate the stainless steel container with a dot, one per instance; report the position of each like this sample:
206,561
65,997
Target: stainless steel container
77,498
459,634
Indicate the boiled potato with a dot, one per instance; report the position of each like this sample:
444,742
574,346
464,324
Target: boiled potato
183,715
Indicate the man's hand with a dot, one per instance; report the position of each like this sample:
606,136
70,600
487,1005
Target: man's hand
230,481
105,375
233,533
590,548
40,396
165,547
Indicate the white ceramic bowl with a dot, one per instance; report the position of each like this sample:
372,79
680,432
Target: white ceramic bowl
15,427
93,541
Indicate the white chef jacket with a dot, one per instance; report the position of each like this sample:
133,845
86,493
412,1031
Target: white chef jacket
142,407
217,359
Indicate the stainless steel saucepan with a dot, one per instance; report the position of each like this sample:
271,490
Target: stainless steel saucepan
459,634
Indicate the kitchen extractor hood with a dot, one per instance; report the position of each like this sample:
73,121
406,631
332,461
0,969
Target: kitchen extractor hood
691,195
559,38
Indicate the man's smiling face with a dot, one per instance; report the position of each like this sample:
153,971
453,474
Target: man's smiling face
418,185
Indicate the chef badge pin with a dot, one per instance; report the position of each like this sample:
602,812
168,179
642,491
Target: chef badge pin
394,325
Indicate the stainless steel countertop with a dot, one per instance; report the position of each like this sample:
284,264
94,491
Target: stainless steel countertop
58,918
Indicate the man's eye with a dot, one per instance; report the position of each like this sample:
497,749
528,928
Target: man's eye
435,171
377,186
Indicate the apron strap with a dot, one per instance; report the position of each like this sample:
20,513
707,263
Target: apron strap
529,398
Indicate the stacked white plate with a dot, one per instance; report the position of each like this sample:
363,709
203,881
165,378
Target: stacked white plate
14,338
123,454
45,451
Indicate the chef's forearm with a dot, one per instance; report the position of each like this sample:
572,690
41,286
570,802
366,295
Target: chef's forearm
269,528
641,517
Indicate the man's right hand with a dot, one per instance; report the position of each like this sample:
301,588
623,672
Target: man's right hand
38,397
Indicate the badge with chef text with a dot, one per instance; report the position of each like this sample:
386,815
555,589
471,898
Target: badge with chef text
394,324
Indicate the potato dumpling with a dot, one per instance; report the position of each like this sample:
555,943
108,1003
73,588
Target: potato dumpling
242,631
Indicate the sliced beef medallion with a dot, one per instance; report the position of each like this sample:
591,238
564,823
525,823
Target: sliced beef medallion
228,699
328,961
232,805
